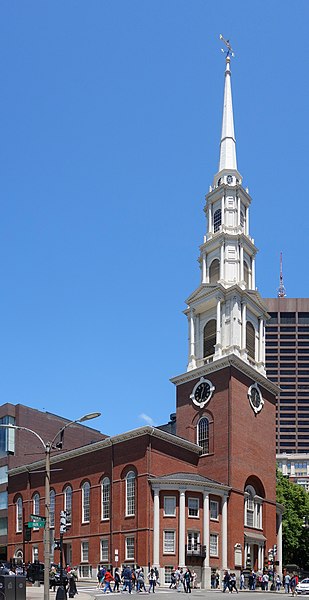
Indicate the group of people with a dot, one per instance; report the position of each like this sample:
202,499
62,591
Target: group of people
129,579
289,582
229,582
183,578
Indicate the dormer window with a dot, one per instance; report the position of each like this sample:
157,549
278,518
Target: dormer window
217,220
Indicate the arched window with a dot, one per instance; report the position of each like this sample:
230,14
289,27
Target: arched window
246,273
242,220
130,494
19,515
203,434
253,508
209,338
52,497
217,220
105,496
68,504
250,340
86,502
36,505
214,271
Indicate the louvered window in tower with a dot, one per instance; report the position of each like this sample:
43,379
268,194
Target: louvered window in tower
214,271
242,220
246,273
210,338
250,340
217,220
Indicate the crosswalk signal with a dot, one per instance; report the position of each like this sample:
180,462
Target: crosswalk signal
27,533
275,549
63,521
57,545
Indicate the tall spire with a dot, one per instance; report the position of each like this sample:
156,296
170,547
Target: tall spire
228,142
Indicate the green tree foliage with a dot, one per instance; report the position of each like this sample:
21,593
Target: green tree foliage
295,537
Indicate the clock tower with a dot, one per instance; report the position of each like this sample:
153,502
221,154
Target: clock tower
225,403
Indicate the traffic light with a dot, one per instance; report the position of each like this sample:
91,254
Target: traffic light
275,549
57,545
27,533
63,521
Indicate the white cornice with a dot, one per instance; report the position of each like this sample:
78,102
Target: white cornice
231,360
110,441
164,484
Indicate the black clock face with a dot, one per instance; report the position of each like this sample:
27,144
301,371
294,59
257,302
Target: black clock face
229,178
202,392
255,398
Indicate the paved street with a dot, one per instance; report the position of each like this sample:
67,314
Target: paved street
89,592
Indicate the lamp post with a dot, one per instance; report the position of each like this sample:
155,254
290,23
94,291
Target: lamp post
48,446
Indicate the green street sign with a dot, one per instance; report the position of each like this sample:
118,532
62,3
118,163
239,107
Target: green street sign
32,524
35,518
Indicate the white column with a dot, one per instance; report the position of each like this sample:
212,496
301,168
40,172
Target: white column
243,325
279,543
262,557
192,362
222,211
206,571
261,327
241,260
247,221
210,218
253,273
222,274
218,338
182,529
238,211
224,533
156,527
204,267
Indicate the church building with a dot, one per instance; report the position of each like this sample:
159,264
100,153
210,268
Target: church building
199,491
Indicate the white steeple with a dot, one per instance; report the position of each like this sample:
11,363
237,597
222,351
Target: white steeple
228,142
226,314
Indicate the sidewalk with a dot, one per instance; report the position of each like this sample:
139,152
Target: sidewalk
37,593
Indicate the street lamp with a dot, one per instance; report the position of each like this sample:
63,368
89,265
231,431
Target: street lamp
48,446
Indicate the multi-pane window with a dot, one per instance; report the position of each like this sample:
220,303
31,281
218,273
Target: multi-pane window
130,548
36,505
169,506
193,540
3,500
213,544
253,508
130,494
4,474
19,515
217,220
7,436
52,496
169,537
68,503
203,434
250,340
193,507
104,550
105,491
214,509
84,551
86,502
168,574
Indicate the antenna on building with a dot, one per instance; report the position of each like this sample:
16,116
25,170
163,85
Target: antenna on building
229,51
281,289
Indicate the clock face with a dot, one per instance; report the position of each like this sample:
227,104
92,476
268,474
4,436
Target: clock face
229,179
255,398
202,392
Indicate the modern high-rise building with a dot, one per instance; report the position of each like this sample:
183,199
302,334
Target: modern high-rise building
287,365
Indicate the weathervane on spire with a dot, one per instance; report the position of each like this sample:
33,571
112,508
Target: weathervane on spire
229,51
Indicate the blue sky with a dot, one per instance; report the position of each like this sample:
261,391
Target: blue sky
110,120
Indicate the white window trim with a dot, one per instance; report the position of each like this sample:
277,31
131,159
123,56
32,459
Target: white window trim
166,514
217,517
130,514
169,552
216,535
198,507
130,537
19,515
103,558
193,533
83,560
83,501
68,505
105,502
